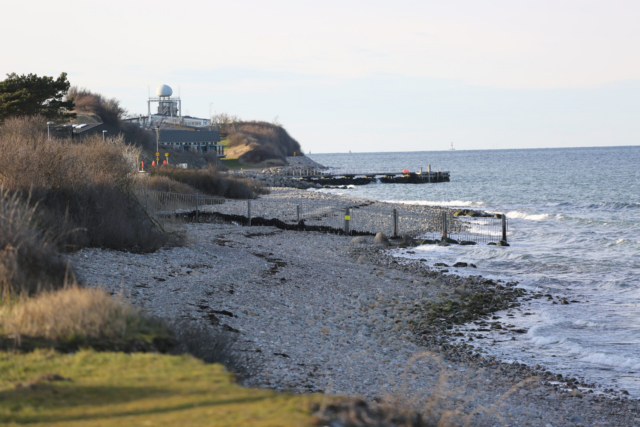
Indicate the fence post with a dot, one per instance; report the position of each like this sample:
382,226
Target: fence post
197,213
504,228
395,222
347,219
298,212
444,226
249,213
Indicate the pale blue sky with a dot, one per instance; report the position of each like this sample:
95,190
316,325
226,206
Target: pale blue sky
358,75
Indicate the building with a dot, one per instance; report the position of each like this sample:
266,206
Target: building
80,131
202,141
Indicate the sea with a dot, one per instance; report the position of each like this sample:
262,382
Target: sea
574,231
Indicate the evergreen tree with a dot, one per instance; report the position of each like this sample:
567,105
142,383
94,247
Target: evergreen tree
30,95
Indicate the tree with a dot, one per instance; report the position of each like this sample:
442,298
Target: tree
224,122
109,110
30,95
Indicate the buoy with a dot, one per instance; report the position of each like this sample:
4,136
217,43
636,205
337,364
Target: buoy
405,170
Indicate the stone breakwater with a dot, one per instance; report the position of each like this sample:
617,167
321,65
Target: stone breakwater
323,314
277,176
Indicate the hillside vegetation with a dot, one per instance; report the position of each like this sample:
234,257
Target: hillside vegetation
261,143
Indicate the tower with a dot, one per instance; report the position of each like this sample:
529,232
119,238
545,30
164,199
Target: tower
167,106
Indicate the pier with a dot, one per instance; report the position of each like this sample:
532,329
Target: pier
363,177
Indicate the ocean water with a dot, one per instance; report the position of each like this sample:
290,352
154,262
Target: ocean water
574,230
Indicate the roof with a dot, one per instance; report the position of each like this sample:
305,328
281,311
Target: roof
191,117
169,136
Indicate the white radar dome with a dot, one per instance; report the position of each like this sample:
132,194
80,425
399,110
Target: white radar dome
164,90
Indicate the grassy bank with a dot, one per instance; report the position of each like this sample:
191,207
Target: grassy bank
117,389
235,165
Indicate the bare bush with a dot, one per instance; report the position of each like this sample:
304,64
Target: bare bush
224,121
212,182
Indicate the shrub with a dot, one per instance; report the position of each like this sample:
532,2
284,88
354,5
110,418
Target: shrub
29,261
75,312
109,109
164,183
210,181
83,189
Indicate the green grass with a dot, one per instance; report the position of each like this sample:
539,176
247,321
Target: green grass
139,389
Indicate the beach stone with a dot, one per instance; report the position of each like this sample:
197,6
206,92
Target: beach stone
381,239
576,419
359,240
362,259
407,239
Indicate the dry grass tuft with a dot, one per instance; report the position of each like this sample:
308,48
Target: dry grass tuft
452,402
212,182
69,313
29,261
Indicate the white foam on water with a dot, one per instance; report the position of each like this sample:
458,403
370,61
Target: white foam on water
541,340
611,360
587,323
452,203
523,215
477,229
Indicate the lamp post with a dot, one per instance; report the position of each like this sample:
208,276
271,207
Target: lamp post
157,142
157,129
103,135
48,130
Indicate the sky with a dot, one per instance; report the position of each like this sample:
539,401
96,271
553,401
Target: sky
364,76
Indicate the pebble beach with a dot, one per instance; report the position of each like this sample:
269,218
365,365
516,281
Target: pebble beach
328,313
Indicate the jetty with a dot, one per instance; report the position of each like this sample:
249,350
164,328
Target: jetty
336,176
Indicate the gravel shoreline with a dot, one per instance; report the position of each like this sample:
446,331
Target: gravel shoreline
323,314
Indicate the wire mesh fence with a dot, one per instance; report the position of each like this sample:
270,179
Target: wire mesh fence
341,216
158,202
